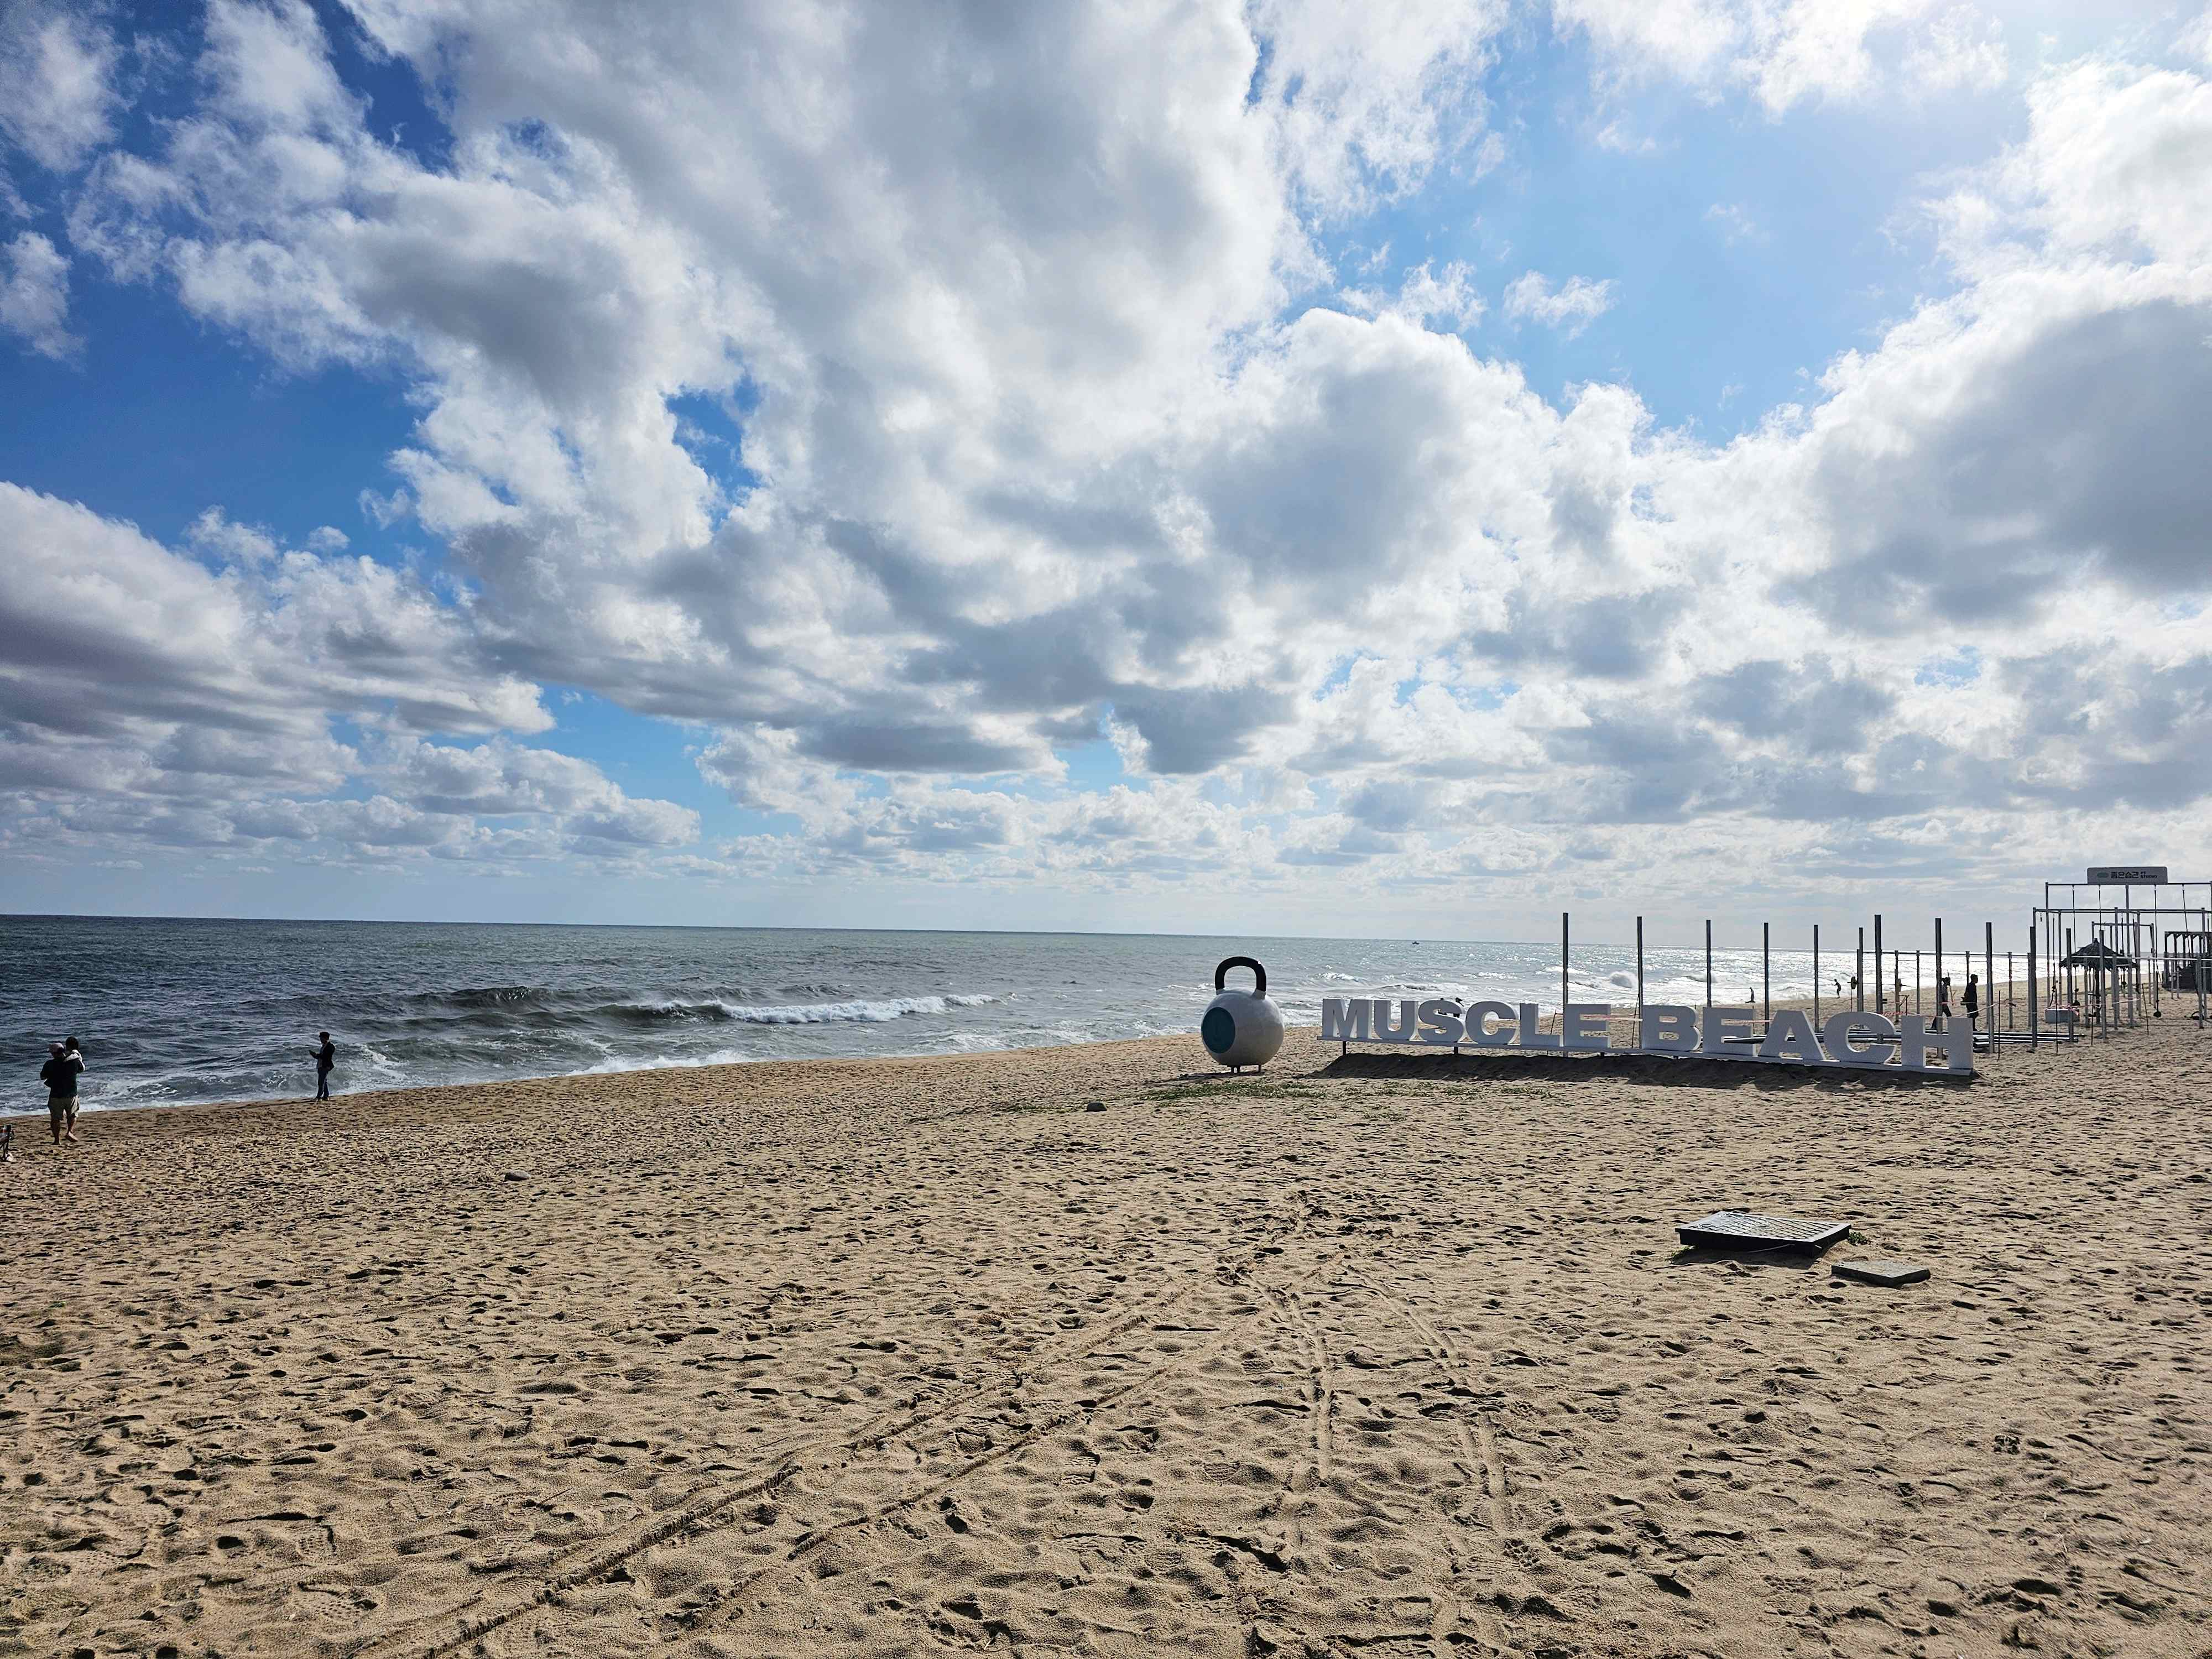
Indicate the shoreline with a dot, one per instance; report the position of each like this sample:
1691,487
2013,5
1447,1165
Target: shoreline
1827,1004
597,1082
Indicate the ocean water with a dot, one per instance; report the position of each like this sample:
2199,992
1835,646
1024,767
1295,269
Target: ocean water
172,1011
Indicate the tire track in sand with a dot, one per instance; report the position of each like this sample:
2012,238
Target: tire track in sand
710,1506
1321,1398
1484,1462
942,1484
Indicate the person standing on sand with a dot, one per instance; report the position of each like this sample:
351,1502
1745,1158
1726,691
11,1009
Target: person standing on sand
1943,997
1970,1000
60,1074
326,1055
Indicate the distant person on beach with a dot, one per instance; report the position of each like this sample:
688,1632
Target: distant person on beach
326,1055
1943,997
62,1067
1971,1000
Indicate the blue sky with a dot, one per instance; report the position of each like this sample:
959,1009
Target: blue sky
1510,452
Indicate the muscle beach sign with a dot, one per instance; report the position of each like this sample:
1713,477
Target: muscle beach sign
1854,1039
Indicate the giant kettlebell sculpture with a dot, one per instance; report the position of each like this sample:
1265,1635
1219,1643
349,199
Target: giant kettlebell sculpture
1242,1028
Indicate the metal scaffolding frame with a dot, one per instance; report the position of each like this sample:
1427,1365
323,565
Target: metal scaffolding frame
2159,932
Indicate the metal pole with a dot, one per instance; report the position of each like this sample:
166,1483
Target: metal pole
1989,978
2135,973
1766,971
1709,966
1939,962
1639,982
1858,975
1816,973
1877,961
1563,974
2034,1026
2156,961
2012,1004
1916,981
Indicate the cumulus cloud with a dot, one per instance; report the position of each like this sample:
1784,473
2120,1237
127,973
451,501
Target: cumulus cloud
2195,40
1426,296
1797,52
145,694
1366,102
1570,308
58,66
34,294
1050,425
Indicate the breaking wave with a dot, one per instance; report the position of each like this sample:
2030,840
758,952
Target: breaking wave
803,1013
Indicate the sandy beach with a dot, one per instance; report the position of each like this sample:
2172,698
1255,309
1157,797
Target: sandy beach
1375,1356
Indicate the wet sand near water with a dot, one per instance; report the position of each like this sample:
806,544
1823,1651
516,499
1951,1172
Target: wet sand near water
925,1357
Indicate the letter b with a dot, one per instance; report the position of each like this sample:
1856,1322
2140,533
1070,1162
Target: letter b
1670,1028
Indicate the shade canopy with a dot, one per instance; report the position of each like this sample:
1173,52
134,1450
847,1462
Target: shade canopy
2098,954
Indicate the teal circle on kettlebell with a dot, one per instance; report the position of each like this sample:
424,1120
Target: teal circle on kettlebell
1217,1030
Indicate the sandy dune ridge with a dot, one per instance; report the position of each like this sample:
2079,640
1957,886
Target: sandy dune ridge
1379,1358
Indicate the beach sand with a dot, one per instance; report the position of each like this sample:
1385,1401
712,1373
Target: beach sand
925,1357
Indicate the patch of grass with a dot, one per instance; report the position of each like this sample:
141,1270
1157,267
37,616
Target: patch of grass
1237,1088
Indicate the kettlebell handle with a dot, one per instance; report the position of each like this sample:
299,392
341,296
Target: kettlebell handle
1259,974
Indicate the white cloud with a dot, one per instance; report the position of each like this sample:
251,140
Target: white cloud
1960,50
1426,296
1365,101
2195,40
2118,162
57,93
1570,308
34,294
1736,222
1686,39
1788,52
109,629
145,695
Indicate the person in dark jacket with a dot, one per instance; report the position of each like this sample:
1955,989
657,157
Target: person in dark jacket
64,1066
1970,999
326,1055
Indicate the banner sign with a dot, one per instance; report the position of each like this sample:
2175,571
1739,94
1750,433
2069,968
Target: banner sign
2128,875
1862,1040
